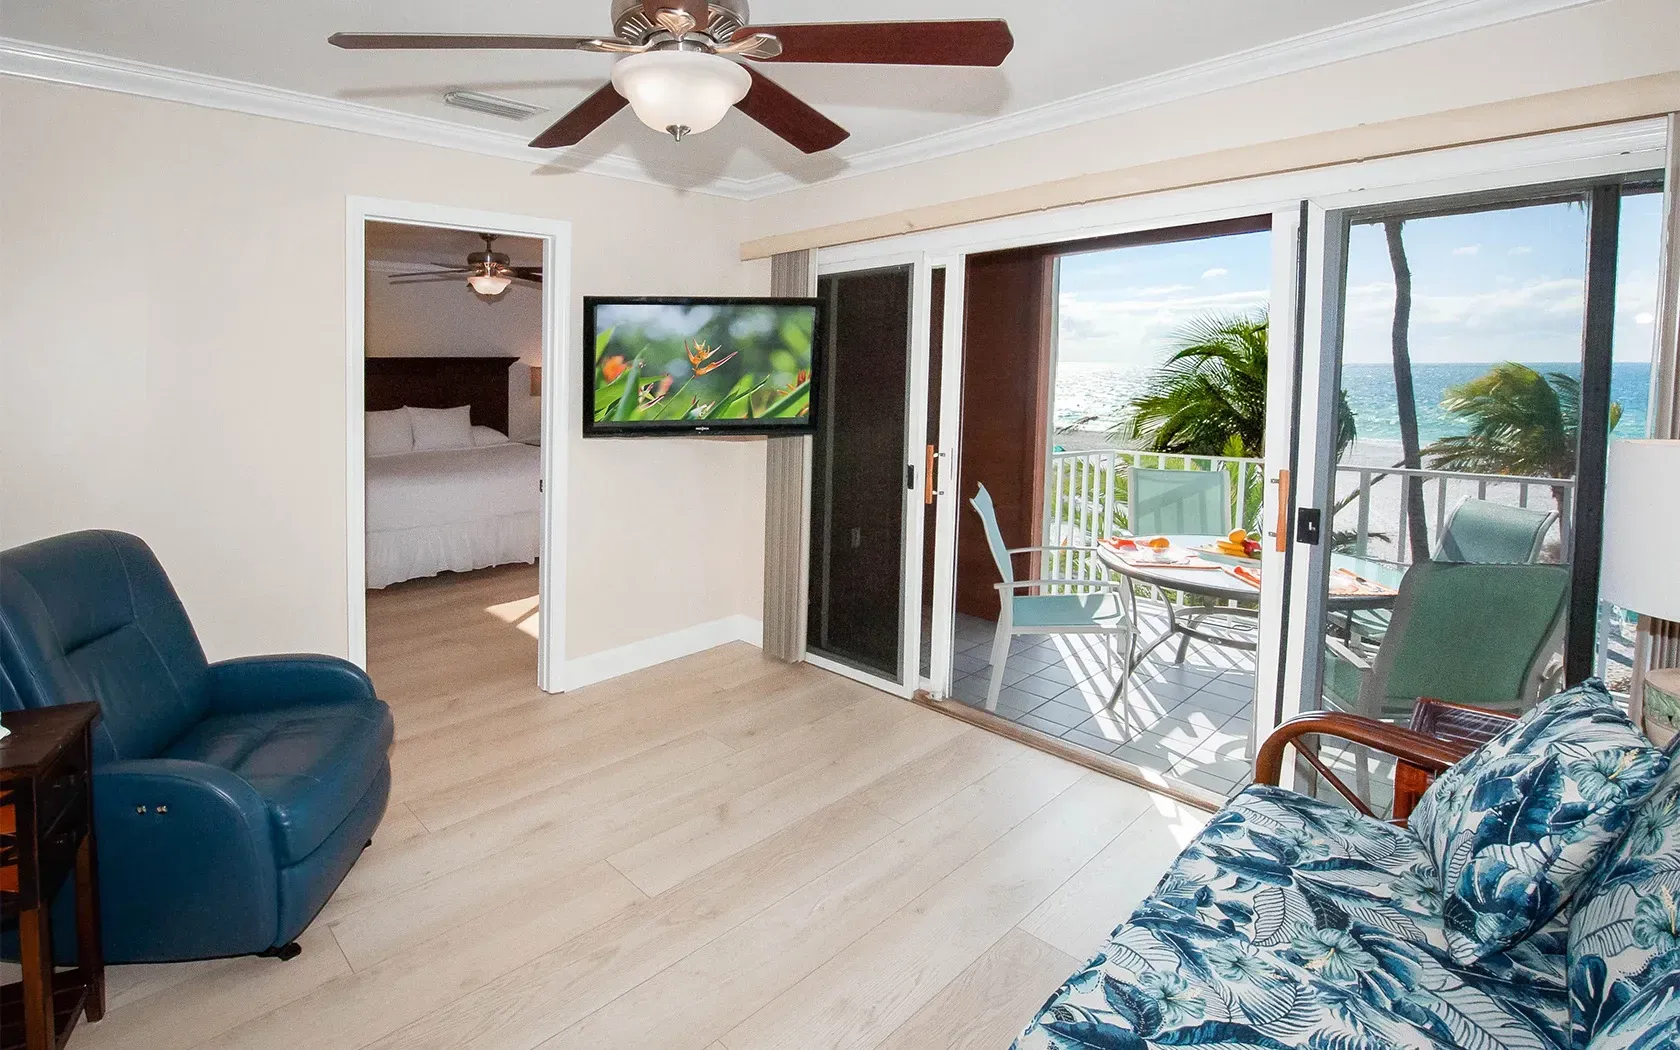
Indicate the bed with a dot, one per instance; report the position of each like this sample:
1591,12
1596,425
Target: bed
456,508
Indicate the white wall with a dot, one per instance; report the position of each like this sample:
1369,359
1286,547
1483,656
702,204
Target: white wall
445,319
183,376
1596,43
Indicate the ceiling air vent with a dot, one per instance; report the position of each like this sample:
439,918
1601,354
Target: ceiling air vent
495,105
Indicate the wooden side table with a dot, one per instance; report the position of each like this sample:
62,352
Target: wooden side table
46,831
1458,724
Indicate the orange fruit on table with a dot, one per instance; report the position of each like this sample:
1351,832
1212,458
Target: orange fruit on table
1159,543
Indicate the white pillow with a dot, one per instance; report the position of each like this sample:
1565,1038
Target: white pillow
441,428
483,436
389,433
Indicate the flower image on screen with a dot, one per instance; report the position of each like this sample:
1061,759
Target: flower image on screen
700,364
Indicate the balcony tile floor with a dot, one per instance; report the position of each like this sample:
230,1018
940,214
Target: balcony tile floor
1191,721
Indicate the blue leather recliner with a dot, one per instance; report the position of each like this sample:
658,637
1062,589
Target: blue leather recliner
231,798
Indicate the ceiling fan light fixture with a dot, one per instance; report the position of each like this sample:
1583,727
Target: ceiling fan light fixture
680,92
489,283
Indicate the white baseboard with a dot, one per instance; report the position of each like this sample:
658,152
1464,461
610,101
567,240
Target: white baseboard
610,663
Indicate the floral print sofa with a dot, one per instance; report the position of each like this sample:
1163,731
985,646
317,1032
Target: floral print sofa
1533,904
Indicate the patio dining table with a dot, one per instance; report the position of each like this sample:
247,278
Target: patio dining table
1213,582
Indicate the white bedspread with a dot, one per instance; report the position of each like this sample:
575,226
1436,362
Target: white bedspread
456,510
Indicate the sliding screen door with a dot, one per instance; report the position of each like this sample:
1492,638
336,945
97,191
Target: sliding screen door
858,474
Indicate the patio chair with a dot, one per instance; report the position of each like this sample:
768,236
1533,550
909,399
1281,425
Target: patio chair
1468,633
1477,532
1161,502
1097,610
1480,532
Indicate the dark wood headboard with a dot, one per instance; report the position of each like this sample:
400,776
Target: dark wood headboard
442,382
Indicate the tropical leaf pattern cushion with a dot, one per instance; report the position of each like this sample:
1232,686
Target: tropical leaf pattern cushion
1291,922
1517,826
1625,932
1651,1021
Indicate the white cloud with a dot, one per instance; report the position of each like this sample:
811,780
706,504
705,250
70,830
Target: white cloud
1138,328
1217,271
1468,249
1645,319
1521,249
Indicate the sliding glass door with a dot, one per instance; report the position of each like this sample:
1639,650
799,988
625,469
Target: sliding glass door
868,474
1464,377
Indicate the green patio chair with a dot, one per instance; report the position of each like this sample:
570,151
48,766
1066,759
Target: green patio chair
1483,533
1472,634
1477,532
1097,610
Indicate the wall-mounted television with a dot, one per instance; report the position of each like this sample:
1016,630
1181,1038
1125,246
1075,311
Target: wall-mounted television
700,366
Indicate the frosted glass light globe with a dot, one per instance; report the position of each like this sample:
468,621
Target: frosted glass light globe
680,92
489,283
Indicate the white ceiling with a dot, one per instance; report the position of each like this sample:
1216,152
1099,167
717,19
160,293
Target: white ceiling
1072,56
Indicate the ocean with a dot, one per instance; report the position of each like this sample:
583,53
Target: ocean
1094,397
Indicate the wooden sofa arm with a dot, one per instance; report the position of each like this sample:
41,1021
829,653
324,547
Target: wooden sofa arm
1425,752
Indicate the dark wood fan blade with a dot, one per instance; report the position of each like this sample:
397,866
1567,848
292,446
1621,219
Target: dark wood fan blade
453,278
447,42
782,112
973,42
528,273
450,272
584,118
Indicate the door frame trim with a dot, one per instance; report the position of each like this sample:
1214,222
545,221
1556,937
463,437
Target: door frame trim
557,390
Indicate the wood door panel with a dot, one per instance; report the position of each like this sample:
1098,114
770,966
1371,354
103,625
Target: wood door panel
1006,404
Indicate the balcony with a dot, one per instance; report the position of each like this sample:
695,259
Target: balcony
1192,721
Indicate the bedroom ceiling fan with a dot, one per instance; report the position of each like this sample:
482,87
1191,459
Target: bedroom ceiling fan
489,272
681,75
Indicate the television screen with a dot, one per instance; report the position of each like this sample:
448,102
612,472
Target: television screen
700,365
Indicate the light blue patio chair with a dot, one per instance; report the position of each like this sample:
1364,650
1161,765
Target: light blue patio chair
1097,610
1177,502
1162,502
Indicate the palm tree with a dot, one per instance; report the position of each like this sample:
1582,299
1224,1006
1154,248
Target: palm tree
1417,520
1521,422
1209,399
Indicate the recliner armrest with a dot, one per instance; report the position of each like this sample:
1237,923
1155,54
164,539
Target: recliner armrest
261,683
189,863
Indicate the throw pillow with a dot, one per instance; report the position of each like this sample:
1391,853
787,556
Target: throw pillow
389,433
1518,825
1625,932
441,428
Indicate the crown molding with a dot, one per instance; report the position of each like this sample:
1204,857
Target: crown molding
1417,23
23,58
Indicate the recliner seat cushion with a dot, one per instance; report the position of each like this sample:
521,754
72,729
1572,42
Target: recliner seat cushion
1516,828
1290,922
310,764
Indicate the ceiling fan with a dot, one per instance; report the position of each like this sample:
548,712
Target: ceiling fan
679,72
489,272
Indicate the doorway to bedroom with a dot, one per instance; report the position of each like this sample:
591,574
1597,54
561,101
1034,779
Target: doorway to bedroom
454,327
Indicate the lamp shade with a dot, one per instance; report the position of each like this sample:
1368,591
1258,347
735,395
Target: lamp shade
1641,566
682,92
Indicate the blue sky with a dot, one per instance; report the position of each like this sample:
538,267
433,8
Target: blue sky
1490,286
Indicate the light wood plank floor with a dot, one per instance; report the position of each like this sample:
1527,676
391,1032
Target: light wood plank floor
721,853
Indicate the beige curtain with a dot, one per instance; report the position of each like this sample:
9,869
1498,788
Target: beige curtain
786,500
1661,638
1665,400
